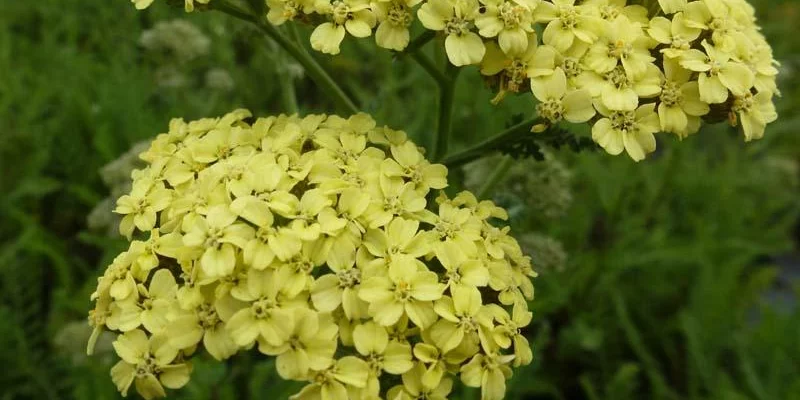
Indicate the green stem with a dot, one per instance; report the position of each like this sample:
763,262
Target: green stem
497,175
490,144
288,95
418,42
312,67
447,94
430,68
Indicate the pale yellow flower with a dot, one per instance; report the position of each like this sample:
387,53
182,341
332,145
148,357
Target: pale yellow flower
202,322
412,387
351,16
372,342
630,131
680,107
511,21
455,18
394,18
718,73
672,6
264,318
310,345
716,16
625,43
567,23
220,235
405,291
489,372
141,206
557,102
336,380
462,316
609,10
674,33
149,363
755,112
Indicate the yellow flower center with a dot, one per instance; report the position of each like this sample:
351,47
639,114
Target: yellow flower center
619,49
609,12
624,121
572,68
349,278
453,276
290,9
490,362
680,43
354,179
302,266
716,66
375,362
456,26
402,291
295,343
98,317
720,25
147,303
743,104
263,234
618,78
512,15
207,316
146,367
214,235
516,72
261,308
671,94
552,110
393,204
468,323
568,17
341,13
398,15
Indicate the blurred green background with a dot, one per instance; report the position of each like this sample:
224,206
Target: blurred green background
681,273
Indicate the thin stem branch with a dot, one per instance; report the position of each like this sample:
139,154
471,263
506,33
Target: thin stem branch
445,123
497,175
288,94
490,144
418,42
311,66
430,68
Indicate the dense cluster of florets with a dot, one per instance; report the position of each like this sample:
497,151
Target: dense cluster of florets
630,70
311,240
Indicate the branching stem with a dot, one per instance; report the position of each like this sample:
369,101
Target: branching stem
311,66
490,144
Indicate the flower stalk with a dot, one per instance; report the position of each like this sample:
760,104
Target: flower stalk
489,145
311,66
447,92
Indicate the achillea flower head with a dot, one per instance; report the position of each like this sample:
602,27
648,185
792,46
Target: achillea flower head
310,239
628,70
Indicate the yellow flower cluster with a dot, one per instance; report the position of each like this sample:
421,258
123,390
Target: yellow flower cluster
630,70
311,239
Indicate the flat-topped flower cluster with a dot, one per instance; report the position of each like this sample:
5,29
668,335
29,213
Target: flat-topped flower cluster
312,240
629,70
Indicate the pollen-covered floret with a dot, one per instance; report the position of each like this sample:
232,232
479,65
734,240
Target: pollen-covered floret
311,240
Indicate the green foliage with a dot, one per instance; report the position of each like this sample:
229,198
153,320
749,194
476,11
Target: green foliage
673,267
